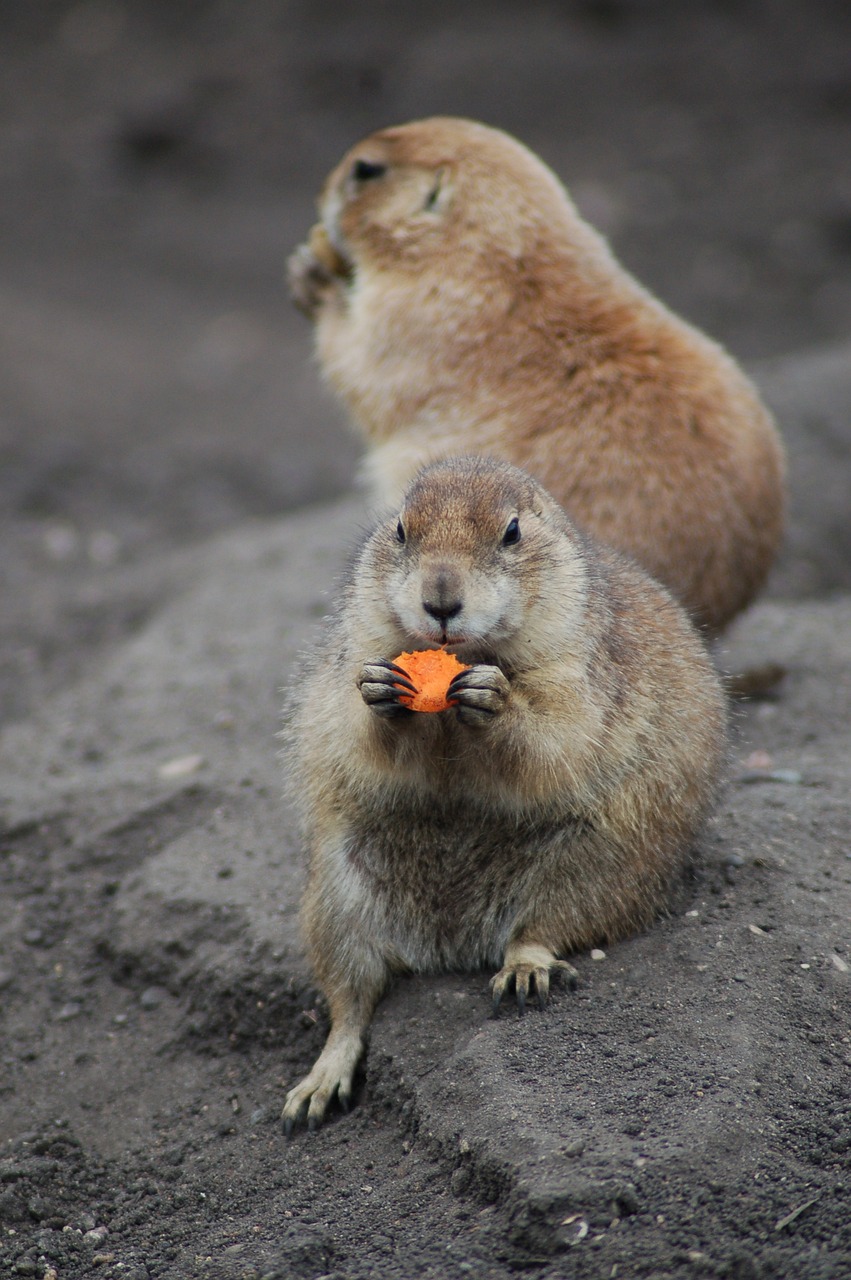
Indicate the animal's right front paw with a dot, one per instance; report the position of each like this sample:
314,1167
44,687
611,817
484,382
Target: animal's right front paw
310,280
380,683
480,693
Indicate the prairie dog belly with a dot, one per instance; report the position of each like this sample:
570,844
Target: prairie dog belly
450,891
446,897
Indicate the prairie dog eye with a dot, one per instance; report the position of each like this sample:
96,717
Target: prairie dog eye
512,533
400,533
364,170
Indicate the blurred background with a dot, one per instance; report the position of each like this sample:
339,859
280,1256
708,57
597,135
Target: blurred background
159,160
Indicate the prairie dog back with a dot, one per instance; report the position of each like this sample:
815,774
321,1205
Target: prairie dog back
548,809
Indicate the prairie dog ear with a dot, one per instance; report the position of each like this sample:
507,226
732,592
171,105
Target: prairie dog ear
439,194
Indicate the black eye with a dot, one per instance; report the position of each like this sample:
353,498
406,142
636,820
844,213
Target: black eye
364,170
400,533
512,533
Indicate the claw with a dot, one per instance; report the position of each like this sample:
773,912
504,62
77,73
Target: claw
404,684
401,677
499,986
521,1001
542,987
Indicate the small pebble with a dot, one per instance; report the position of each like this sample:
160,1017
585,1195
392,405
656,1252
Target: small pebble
6,979
72,1009
33,937
760,933
838,962
152,997
597,954
180,767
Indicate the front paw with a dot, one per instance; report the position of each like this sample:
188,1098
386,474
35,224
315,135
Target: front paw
380,683
310,280
481,693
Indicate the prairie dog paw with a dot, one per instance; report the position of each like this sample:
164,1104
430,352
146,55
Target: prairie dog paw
481,693
332,1074
528,969
380,683
309,279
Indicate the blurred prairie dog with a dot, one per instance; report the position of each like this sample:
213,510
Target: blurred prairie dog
548,810
462,305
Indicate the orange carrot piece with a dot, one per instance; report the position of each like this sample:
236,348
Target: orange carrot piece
431,671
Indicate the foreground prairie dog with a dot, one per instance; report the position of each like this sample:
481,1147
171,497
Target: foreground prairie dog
548,810
462,305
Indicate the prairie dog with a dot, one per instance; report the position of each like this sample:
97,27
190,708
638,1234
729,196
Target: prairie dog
548,810
461,305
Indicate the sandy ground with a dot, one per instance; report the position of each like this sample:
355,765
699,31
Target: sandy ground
175,501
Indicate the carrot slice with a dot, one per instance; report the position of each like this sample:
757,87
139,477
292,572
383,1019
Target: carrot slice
431,671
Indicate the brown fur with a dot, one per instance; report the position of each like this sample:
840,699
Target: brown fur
547,811
473,311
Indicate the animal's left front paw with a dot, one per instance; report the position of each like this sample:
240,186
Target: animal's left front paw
480,693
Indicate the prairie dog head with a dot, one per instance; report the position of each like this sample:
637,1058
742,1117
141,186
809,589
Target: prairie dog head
479,558
448,185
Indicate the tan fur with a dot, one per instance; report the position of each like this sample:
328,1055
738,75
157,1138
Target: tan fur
547,811
475,312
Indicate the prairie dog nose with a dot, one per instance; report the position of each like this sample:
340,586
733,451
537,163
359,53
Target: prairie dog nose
442,613
442,595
